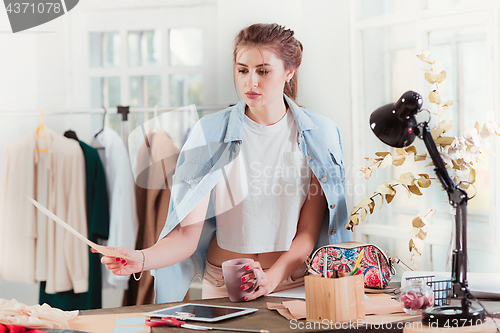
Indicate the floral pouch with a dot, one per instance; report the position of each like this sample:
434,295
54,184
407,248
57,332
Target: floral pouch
375,265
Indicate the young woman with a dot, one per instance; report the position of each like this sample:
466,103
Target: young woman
263,179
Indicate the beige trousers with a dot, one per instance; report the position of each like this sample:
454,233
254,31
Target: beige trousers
213,281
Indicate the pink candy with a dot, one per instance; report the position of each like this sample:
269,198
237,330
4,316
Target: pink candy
412,301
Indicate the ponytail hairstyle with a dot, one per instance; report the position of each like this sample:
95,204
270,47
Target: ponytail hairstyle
280,41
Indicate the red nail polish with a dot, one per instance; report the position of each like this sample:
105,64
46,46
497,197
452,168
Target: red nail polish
124,261
118,259
247,267
125,264
246,298
242,287
243,279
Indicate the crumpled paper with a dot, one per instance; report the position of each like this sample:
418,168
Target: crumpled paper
34,316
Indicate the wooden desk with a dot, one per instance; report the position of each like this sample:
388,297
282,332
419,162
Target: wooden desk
261,319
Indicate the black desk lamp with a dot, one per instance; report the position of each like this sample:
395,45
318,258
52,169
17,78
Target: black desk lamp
396,126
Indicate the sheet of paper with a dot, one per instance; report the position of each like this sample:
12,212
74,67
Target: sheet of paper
99,248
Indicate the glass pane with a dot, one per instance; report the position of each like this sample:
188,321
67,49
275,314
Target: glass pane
113,92
96,96
186,89
95,49
373,8
186,47
145,91
144,47
136,91
153,90
104,49
105,91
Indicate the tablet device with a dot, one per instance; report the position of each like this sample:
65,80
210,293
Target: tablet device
201,312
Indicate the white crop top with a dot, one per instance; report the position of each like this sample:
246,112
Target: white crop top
258,201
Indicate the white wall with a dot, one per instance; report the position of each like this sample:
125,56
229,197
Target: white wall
35,70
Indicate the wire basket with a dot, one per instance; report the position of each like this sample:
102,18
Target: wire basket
441,288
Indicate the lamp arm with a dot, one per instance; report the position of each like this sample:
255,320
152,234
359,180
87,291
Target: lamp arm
424,133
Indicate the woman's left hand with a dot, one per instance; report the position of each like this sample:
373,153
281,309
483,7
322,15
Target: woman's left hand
266,285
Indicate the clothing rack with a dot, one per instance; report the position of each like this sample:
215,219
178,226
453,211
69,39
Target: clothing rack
100,110
123,110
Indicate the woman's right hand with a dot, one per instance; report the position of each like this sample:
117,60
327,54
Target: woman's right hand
120,266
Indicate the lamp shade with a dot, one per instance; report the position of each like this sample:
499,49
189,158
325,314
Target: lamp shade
393,123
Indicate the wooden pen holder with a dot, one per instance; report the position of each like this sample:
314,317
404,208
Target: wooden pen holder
338,300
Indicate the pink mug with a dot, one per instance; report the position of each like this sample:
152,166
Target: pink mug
233,270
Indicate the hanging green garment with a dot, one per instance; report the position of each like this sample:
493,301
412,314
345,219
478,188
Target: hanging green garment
97,227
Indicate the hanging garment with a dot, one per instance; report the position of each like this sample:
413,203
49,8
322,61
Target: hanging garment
156,162
98,228
64,263
123,222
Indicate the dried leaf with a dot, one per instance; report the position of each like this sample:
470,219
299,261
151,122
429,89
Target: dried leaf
389,198
442,110
477,126
441,87
421,234
381,201
354,219
417,222
366,201
441,76
400,151
444,141
472,175
448,103
369,159
411,149
437,132
371,205
424,182
431,78
398,160
407,190
386,161
430,164
407,178
434,97
411,245
414,231
429,62
420,157
414,189
382,154
424,54
363,214
437,67
446,125
367,172
385,189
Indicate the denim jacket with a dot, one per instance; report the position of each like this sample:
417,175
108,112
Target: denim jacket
213,143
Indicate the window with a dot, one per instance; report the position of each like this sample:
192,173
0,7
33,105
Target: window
387,36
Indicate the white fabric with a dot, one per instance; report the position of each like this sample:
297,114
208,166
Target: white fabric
62,260
34,316
123,224
273,176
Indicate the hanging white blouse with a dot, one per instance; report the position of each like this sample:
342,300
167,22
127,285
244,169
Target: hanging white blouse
123,224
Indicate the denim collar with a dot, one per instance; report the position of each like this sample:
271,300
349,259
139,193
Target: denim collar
234,131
